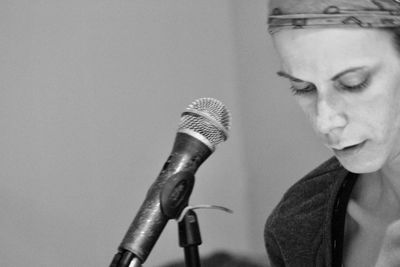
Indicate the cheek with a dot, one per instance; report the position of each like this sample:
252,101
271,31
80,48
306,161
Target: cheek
390,122
389,98
380,112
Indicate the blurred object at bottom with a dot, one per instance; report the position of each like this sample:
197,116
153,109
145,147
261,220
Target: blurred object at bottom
225,259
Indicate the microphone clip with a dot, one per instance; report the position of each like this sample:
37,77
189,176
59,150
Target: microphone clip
175,193
201,206
189,232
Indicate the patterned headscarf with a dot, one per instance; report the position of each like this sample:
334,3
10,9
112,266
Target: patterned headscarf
299,14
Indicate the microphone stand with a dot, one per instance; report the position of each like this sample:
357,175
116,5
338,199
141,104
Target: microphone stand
189,232
190,238
189,235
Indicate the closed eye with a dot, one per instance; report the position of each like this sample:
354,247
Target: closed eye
353,83
303,88
298,87
353,79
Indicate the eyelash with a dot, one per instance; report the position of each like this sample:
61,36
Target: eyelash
357,87
311,88
307,90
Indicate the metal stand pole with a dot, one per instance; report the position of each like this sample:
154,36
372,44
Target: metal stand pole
190,238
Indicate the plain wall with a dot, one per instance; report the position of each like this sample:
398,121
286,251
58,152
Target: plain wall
90,99
279,144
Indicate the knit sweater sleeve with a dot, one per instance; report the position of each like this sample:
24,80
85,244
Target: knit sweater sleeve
297,230
273,250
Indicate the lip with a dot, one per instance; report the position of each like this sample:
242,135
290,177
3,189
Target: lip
349,150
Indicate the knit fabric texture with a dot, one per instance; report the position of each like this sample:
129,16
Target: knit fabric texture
298,232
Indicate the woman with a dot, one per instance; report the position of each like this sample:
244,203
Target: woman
342,59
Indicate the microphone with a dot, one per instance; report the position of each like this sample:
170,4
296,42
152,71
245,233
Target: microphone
203,125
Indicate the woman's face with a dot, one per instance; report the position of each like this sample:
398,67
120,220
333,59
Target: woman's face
347,81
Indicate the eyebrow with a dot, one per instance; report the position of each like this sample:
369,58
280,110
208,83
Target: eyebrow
337,76
286,75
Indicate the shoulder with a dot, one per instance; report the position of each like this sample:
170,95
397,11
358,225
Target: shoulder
298,221
310,192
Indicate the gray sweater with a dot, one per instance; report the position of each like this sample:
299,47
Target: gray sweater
306,227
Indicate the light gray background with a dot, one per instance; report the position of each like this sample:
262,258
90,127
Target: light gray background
90,99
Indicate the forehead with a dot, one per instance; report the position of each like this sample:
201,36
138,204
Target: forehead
331,50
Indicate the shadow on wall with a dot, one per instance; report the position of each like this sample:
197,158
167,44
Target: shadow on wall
225,259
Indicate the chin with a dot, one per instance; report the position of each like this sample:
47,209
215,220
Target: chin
361,165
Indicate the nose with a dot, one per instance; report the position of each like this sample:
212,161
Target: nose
330,116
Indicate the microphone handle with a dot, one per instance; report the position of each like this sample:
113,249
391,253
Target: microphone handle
165,199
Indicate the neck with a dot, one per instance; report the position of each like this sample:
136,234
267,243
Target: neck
380,192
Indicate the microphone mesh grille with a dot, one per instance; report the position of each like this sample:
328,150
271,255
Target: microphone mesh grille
208,117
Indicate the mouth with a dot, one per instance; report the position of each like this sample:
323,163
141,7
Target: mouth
349,150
